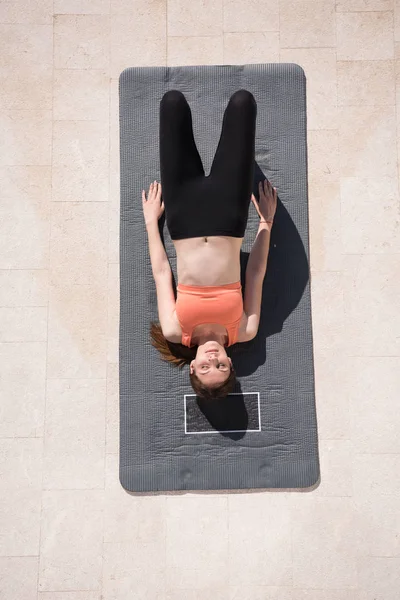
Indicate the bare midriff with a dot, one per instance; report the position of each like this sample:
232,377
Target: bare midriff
211,260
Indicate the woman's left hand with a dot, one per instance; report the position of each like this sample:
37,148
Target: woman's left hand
152,209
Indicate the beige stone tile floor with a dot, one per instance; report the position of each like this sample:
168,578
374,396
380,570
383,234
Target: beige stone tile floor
68,531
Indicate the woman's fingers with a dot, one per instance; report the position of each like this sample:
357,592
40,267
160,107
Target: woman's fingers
154,191
154,187
271,187
151,190
265,186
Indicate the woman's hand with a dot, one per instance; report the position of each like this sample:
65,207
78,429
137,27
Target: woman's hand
268,199
152,209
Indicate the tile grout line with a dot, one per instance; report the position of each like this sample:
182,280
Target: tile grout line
340,241
24,306
110,206
342,270
338,136
396,109
48,307
166,35
65,489
279,32
222,33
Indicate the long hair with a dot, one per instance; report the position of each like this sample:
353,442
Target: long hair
179,355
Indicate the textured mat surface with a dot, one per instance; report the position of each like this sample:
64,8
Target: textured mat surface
265,434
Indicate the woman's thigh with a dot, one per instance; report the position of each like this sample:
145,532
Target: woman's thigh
205,206
233,162
196,205
179,156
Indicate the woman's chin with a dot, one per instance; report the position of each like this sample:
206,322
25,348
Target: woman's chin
211,343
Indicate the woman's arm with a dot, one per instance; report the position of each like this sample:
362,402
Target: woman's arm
158,257
255,273
266,208
258,257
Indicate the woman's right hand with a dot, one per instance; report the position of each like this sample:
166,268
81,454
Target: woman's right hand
266,207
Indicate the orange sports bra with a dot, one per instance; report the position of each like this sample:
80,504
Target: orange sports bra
196,305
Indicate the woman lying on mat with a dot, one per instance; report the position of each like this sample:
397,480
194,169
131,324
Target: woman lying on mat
206,218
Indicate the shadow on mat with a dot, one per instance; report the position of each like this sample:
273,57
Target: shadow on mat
285,280
232,416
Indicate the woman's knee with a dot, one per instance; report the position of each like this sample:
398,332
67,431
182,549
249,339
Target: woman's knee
173,98
243,97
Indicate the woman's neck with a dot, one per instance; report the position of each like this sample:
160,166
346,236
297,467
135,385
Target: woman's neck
210,332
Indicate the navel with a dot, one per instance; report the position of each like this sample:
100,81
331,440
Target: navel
205,239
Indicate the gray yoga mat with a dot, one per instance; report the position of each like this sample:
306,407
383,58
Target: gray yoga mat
264,435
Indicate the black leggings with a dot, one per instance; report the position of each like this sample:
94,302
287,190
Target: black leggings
196,205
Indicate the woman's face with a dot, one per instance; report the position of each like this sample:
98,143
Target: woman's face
212,364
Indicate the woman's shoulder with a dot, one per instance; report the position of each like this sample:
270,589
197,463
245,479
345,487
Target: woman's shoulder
175,336
242,333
